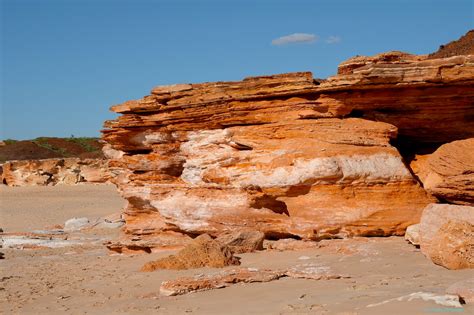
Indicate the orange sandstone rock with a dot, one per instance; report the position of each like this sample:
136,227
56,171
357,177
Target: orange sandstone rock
220,280
227,278
242,241
447,235
287,155
453,246
429,100
448,173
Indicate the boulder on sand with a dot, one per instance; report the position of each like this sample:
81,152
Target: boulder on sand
203,251
447,235
242,241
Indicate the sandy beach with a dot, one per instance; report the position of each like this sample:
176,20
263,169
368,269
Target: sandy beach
88,279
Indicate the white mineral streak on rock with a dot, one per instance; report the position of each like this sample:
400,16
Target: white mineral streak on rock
301,172
191,212
20,242
204,149
376,167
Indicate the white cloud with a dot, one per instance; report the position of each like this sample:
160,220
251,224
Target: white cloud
333,40
295,38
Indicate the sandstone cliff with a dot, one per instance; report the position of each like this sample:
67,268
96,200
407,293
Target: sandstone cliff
286,154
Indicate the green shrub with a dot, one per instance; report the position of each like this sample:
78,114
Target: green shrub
10,141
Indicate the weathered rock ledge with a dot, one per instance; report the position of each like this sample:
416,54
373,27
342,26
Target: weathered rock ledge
55,171
286,154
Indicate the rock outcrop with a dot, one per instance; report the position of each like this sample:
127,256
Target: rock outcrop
429,100
448,173
287,155
447,235
55,171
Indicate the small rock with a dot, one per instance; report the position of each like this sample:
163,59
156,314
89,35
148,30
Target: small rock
76,224
412,234
243,241
447,235
453,247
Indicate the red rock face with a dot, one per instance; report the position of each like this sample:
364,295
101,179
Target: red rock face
284,154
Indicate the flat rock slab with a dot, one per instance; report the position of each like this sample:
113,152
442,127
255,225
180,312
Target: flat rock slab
244,275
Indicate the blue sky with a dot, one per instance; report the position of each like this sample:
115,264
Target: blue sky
64,62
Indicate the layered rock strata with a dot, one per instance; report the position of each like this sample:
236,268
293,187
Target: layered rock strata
287,155
54,171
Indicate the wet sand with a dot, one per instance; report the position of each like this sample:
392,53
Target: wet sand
88,280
